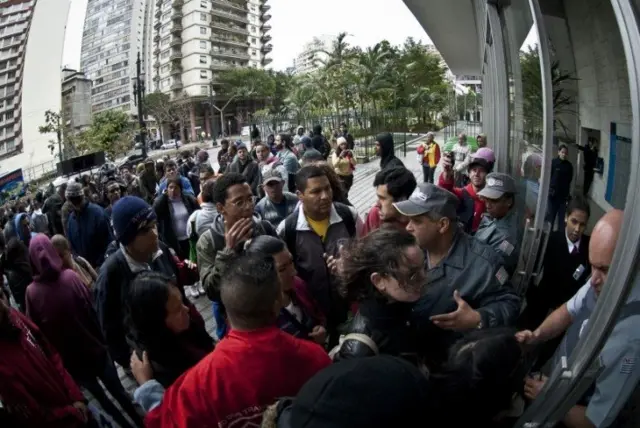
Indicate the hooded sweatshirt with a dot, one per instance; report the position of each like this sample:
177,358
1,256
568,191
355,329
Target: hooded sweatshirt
387,157
35,386
59,303
19,230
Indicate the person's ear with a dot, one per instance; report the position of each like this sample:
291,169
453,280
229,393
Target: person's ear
299,194
220,208
378,281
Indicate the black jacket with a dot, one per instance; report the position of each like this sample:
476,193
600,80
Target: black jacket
388,325
111,293
251,171
561,176
165,222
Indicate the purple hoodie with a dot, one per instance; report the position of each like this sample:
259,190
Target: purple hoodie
60,305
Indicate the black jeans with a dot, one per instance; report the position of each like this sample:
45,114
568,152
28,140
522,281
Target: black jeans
347,182
106,371
556,208
588,179
427,173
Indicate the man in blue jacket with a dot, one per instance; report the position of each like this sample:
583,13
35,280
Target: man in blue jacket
88,227
171,170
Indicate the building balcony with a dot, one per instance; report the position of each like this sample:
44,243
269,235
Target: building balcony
156,64
176,85
267,48
216,38
221,66
233,16
266,38
157,25
265,7
158,13
176,69
159,3
266,61
265,17
176,41
176,28
230,54
175,56
177,14
266,27
232,5
224,27
178,3
156,51
156,78
156,38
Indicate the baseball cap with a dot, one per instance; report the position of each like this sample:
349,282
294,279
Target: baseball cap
272,175
429,198
497,185
476,161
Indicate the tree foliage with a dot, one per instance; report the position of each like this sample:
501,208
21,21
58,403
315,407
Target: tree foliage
246,83
110,132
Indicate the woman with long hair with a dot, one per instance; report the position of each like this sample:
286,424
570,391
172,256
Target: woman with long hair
166,326
383,272
299,315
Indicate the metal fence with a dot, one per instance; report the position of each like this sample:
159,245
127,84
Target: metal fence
363,126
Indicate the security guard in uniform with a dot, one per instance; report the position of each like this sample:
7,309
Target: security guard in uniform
467,286
499,227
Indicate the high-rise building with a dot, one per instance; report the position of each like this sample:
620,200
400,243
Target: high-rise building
194,40
114,32
312,55
76,100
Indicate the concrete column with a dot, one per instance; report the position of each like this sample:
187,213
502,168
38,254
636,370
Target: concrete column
207,121
192,119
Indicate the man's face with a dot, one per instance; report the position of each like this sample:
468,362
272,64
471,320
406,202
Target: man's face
146,242
171,171
576,224
563,153
300,133
113,193
239,203
387,211
242,154
477,176
126,173
278,140
462,139
426,231
429,138
224,146
497,208
25,225
343,129
481,142
317,197
262,153
274,189
378,149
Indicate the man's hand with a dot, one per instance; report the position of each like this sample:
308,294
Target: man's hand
318,335
533,385
82,409
447,166
141,370
240,231
463,318
528,337
333,264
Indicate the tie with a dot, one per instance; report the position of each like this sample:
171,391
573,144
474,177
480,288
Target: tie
575,251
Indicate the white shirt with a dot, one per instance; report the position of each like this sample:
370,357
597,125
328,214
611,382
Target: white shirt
572,244
295,311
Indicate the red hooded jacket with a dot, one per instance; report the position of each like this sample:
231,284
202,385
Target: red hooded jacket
35,388
232,386
479,207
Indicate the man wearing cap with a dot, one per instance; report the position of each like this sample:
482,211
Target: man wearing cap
499,228
276,204
471,207
467,287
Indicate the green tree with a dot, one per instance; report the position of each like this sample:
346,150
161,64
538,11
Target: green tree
53,125
158,105
110,132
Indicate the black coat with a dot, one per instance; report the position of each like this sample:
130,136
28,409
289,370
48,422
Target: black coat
165,221
251,171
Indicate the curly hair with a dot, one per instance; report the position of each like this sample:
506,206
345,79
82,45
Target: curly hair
381,251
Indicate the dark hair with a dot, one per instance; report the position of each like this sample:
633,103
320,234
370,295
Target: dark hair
563,146
207,190
337,188
249,290
381,251
307,172
222,185
233,148
264,244
175,180
186,154
286,140
205,167
578,203
400,182
484,368
224,141
170,163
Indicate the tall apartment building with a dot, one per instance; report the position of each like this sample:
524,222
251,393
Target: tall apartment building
194,40
312,55
114,32
76,100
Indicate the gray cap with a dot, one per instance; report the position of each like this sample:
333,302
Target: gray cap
272,175
429,198
497,185
74,189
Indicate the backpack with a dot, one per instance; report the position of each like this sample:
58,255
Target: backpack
290,232
465,211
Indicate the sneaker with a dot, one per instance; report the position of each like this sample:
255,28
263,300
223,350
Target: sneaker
200,289
189,291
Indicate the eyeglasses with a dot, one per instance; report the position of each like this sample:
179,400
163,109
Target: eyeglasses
243,203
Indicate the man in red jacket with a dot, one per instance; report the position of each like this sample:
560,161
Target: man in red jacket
35,388
254,365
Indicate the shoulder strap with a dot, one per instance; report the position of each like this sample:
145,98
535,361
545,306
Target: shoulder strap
347,217
290,233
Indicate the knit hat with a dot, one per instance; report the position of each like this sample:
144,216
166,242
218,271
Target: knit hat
311,155
130,215
240,145
74,190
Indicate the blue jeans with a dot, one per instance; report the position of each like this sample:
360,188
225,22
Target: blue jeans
221,323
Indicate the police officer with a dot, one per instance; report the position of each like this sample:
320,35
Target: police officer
499,227
467,286
620,356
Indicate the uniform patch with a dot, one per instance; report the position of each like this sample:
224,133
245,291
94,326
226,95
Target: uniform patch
502,276
506,247
628,364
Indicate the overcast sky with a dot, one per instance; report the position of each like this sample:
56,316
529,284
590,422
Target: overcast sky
295,22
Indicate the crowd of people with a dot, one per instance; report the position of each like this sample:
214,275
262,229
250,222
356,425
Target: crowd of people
406,317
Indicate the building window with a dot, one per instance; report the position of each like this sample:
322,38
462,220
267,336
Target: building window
165,54
253,29
253,40
204,90
203,44
203,59
253,8
203,30
254,52
203,16
165,83
165,41
165,68
203,74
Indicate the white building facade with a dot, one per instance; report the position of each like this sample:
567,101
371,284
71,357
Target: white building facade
313,54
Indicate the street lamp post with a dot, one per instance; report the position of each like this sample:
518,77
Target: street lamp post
138,92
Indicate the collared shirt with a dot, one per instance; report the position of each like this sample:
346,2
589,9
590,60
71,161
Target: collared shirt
135,265
572,245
